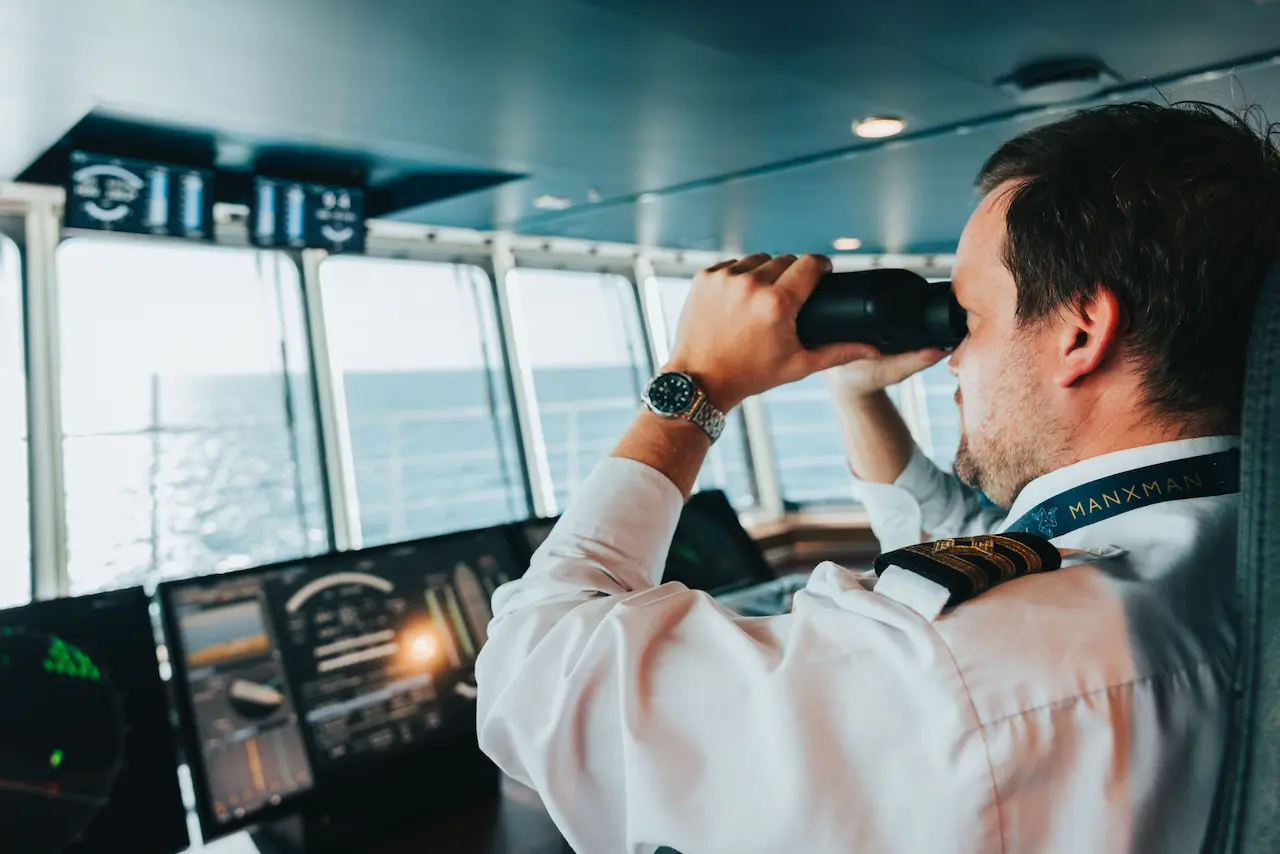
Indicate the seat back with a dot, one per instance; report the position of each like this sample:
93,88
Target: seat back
1247,811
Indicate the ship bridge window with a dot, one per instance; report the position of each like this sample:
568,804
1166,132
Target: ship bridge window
189,438
728,466
937,418
15,531
582,338
812,467
416,355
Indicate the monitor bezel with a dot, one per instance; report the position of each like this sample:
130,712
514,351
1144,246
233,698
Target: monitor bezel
716,504
32,612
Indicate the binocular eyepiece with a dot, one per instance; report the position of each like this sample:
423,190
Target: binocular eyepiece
894,310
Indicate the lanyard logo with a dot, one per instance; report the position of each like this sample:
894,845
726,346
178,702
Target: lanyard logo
1192,477
1047,520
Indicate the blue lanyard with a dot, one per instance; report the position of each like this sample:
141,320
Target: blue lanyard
1108,497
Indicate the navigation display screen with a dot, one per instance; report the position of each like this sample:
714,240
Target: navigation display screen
88,761
138,197
303,673
246,719
286,214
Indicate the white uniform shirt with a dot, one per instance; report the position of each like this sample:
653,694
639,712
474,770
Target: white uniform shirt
1077,712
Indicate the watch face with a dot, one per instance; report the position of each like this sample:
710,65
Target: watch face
671,394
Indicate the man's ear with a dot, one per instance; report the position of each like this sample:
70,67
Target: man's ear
1089,332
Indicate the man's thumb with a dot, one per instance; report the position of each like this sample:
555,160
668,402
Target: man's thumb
899,366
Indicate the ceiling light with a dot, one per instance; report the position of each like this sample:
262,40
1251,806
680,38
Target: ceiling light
552,203
847,244
878,127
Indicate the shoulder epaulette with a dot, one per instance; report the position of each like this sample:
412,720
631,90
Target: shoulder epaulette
967,566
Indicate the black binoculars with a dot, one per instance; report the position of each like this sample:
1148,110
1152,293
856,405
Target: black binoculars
894,310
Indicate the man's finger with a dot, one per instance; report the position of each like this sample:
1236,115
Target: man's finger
721,265
746,265
802,276
772,269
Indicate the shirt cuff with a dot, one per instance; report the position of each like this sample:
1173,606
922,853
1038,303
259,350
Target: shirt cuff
629,509
894,508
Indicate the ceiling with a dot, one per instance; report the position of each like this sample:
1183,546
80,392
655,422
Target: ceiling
695,124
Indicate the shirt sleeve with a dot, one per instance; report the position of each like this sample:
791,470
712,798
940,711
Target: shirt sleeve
925,503
648,714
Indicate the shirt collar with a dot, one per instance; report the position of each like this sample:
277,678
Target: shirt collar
1068,477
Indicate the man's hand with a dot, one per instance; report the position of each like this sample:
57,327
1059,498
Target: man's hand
875,436
737,335
865,376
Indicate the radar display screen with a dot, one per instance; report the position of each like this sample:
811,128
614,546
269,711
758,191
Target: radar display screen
87,756
298,675
139,197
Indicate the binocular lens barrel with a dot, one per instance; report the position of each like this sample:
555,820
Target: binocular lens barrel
894,310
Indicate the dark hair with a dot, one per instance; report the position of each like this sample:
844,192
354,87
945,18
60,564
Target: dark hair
1174,209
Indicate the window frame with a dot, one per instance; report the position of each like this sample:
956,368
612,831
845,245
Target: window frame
546,502
333,399
13,229
230,235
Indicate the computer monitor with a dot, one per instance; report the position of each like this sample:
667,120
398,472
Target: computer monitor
711,550
88,759
298,677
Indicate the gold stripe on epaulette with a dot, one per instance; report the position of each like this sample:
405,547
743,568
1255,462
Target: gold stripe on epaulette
1029,555
973,573
983,546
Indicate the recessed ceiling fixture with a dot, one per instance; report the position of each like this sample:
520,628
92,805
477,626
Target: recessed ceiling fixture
552,203
847,244
878,127
1050,81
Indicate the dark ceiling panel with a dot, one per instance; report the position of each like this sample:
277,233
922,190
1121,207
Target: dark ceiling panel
616,96
912,197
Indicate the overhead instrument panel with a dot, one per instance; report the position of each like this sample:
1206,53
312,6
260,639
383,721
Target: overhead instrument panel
87,758
139,197
300,215
300,676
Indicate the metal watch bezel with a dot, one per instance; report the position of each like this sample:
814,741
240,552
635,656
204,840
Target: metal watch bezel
695,399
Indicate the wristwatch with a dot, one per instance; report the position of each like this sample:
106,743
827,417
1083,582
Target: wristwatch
676,395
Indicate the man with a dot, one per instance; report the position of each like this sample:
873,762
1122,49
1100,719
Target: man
1108,274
